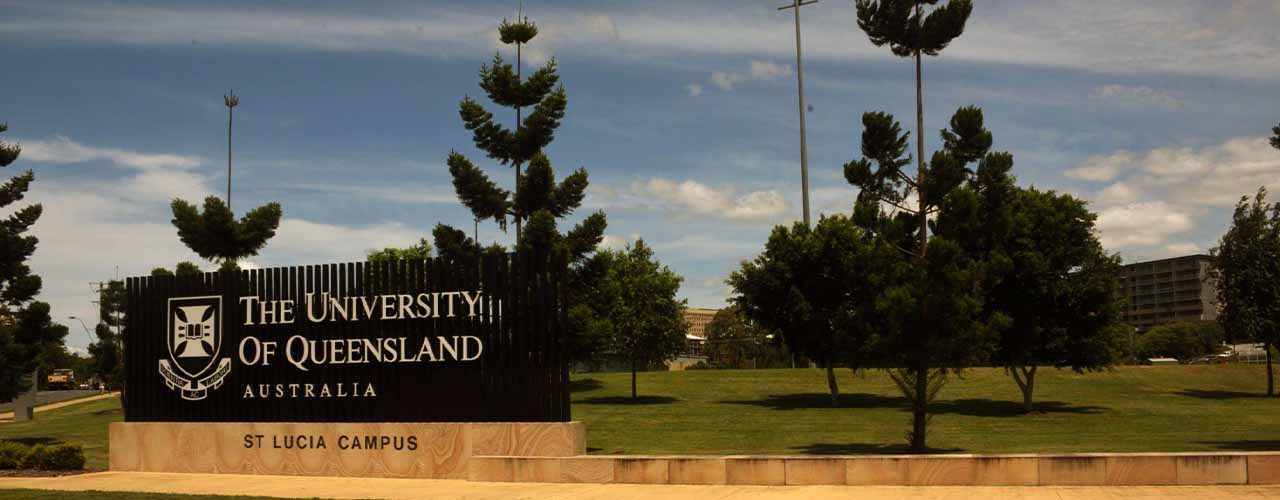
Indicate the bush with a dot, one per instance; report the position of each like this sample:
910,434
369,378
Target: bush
34,457
54,457
63,457
11,454
1184,340
701,365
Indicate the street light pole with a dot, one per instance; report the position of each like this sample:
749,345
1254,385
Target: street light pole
82,325
804,150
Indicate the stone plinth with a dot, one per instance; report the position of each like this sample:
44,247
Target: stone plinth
405,450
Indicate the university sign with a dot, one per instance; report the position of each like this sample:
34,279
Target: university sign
410,341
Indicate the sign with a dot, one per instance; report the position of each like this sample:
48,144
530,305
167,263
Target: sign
403,341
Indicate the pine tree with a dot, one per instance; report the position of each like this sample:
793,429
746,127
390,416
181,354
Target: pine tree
22,327
537,195
904,26
215,234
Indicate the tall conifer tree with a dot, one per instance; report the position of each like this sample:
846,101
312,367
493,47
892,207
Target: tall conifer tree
909,31
26,331
538,199
215,234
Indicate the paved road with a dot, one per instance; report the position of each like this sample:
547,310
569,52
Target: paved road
47,397
346,487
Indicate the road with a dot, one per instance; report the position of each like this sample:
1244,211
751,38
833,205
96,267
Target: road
47,397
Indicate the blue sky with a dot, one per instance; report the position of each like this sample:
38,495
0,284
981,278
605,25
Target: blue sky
684,114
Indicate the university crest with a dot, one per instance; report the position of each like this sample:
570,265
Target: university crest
194,338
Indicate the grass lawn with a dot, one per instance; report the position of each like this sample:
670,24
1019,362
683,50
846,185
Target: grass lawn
1131,409
96,495
85,424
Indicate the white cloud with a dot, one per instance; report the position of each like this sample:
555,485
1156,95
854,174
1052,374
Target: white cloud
1117,194
1109,37
600,24
692,198
756,70
1139,95
63,150
693,89
1141,224
726,81
1101,168
89,227
1155,199
1209,176
768,70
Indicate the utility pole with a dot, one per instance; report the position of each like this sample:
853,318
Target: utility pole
230,101
804,150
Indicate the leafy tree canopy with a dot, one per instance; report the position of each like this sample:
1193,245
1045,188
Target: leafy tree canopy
1247,271
216,235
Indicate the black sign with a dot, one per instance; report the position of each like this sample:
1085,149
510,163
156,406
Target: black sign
406,341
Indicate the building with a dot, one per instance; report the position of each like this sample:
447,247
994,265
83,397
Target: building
1166,290
695,337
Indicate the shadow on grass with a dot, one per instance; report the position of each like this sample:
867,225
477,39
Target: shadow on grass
627,400
864,449
32,441
999,408
812,400
1202,394
1246,445
108,411
584,385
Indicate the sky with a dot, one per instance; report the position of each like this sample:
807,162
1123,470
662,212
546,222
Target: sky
684,114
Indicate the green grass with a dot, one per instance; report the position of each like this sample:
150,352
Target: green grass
1131,409
97,495
85,424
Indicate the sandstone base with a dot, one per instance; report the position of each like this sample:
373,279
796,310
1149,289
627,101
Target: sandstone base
403,450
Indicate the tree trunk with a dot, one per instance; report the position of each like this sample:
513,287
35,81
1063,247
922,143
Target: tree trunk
831,384
516,196
1028,388
920,407
633,379
1271,383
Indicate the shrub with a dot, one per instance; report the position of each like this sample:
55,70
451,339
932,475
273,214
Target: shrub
34,457
53,457
11,454
63,457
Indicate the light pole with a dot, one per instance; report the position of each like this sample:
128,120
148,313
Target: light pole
804,150
82,325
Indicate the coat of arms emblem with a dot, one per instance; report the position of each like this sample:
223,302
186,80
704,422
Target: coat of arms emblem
194,339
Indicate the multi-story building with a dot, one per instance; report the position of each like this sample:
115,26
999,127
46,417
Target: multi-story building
1175,289
697,318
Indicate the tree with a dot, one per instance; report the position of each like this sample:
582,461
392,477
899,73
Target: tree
26,341
647,316
932,300
536,191
813,288
1182,340
1057,288
538,201
215,234
420,251
1275,137
22,334
1247,269
734,341
108,361
184,268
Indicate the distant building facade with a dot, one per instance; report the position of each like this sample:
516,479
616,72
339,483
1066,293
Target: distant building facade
1168,290
695,337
